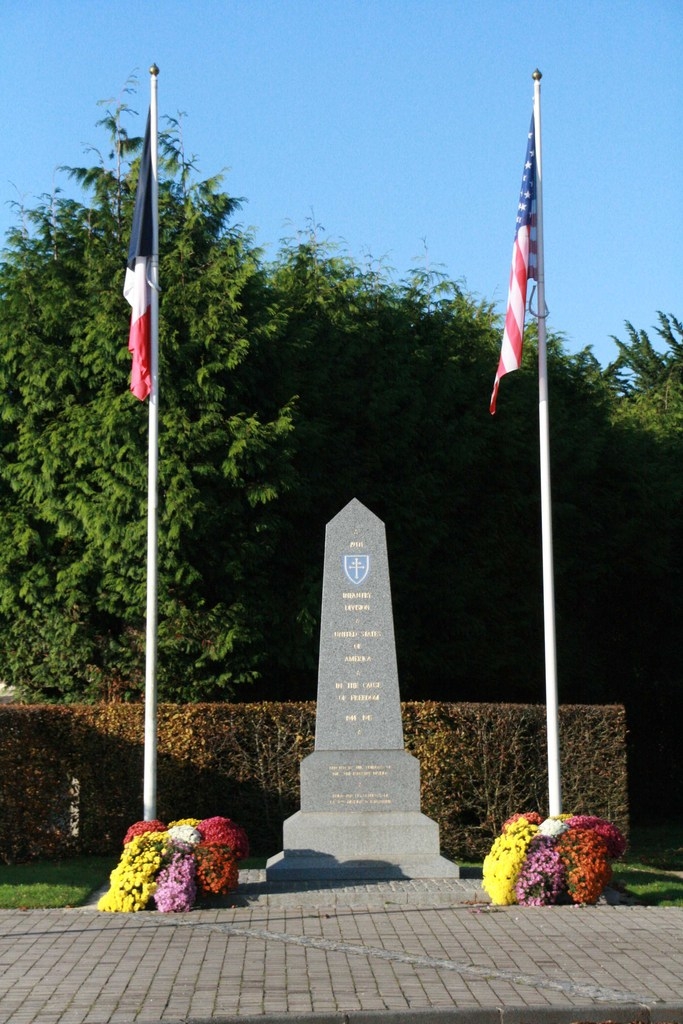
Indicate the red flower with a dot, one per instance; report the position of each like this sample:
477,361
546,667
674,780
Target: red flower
216,868
226,832
140,827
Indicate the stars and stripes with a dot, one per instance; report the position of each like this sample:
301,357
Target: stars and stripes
524,266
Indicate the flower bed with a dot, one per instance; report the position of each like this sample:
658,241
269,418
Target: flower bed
173,865
563,859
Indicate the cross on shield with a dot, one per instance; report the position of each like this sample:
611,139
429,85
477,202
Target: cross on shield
356,568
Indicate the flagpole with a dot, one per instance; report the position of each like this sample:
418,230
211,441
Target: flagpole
552,716
150,769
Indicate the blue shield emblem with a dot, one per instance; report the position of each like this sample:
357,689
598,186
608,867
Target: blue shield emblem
356,568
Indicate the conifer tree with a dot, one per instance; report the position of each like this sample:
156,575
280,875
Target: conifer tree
286,390
649,375
73,443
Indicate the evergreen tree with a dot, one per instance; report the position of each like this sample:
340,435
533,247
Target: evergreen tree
392,381
651,377
73,445
287,390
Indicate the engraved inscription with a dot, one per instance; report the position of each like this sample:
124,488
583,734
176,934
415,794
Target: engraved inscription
358,775
357,799
358,703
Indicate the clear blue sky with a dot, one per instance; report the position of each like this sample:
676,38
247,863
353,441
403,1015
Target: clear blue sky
398,125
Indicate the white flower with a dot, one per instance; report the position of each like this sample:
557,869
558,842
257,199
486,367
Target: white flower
552,827
184,834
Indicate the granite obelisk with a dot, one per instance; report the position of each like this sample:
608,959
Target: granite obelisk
360,812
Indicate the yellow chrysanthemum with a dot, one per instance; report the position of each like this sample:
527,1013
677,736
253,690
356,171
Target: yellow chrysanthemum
504,862
131,883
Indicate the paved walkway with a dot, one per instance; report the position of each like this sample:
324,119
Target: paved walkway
428,952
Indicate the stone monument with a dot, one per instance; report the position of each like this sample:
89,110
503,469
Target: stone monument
360,789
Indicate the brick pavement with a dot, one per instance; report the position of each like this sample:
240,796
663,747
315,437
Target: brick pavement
428,952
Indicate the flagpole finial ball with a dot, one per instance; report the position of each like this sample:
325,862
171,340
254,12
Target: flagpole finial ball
154,70
537,76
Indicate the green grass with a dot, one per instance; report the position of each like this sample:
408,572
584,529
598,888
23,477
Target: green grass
43,884
650,887
646,870
645,873
657,846
253,862
64,883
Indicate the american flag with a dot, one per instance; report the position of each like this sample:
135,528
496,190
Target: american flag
524,266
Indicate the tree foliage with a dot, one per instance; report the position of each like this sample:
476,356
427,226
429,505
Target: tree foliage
649,376
73,442
288,388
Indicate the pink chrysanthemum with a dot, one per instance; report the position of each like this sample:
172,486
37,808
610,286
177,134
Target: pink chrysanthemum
176,887
541,880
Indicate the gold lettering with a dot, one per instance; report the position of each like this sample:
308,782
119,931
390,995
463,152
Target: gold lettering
364,798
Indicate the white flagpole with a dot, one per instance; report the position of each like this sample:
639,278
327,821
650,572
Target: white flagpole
150,771
552,718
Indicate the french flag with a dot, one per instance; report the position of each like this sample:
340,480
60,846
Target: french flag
136,288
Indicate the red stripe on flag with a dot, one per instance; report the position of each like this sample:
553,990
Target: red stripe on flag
136,286
522,268
139,344
513,334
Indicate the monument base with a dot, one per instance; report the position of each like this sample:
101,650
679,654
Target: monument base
360,845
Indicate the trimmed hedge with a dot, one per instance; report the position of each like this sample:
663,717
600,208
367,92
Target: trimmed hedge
71,777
